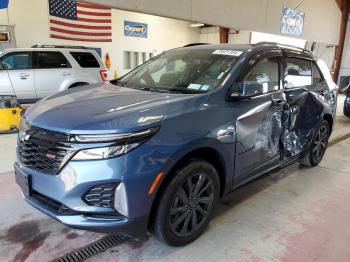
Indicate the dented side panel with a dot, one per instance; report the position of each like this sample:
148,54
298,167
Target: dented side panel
259,129
304,112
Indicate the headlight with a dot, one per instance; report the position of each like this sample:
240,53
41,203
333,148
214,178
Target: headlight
124,143
104,152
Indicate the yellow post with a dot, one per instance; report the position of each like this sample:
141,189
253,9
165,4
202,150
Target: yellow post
116,74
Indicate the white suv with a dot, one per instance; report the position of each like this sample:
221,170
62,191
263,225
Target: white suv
34,73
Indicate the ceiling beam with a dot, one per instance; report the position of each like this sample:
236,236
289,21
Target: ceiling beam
339,3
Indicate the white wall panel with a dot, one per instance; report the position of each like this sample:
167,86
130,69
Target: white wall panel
322,17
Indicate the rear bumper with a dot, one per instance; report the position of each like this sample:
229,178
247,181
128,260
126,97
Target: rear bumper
135,228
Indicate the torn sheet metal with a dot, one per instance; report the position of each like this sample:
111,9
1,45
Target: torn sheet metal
300,120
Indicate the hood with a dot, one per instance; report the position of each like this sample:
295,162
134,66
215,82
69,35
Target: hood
105,108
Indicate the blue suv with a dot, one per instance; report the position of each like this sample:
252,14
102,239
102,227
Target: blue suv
155,150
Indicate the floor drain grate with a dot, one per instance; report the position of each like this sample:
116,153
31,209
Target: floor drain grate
92,249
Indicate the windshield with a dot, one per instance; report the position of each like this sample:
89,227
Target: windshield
181,71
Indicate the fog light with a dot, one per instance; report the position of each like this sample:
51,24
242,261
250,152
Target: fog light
121,200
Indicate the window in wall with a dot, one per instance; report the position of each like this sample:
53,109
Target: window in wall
47,60
127,60
298,72
150,55
316,74
262,78
86,60
144,57
135,59
17,61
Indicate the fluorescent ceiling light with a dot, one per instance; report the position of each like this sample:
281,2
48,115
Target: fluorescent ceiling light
197,25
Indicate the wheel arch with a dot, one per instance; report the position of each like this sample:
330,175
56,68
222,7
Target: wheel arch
329,119
208,154
77,84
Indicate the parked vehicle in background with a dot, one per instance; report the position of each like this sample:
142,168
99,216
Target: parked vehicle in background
40,71
345,89
156,149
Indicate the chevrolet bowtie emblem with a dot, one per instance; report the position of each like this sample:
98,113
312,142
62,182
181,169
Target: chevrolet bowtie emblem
24,136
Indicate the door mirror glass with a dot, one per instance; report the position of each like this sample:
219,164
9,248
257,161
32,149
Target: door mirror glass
344,84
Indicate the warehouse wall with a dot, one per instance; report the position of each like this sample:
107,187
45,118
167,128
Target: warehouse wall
322,17
164,33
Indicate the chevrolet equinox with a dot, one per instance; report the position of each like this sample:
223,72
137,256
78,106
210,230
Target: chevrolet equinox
156,149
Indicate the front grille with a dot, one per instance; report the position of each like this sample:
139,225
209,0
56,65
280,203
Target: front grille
101,196
43,150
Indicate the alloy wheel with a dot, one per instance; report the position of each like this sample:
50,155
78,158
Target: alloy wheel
320,143
191,205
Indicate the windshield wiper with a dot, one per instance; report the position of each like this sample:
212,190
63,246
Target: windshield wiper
117,82
184,91
151,89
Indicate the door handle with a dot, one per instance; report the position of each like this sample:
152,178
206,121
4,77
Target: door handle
23,75
65,73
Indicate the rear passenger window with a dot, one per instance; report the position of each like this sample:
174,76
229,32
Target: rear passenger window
262,78
17,61
316,74
46,60
86,60
298,72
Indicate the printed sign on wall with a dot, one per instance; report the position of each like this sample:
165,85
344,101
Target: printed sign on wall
135,29
292,22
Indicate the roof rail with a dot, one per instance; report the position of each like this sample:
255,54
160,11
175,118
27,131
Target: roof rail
283,45
59,46
194,44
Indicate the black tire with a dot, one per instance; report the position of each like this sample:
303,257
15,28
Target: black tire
318,146
176,204
346,111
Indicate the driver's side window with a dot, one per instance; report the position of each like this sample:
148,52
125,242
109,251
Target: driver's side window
262,78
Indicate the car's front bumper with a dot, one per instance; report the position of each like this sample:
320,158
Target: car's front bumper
67,189
131,227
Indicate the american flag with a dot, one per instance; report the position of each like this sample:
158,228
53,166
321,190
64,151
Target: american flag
76,21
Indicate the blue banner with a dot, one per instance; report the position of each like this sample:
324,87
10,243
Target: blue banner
4,4
135,29
292,22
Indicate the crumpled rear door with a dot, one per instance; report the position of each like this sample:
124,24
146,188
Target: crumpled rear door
305,107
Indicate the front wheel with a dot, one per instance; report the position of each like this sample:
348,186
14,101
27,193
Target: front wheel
318,146
187,203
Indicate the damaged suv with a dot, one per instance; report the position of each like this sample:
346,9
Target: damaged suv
156,149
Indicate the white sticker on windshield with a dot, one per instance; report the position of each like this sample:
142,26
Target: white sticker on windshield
204,87
227,52
194,86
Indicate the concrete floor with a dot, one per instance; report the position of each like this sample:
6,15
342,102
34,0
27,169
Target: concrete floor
291,215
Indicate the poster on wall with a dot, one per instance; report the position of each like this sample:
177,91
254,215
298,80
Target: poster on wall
292,22
135,29
4,4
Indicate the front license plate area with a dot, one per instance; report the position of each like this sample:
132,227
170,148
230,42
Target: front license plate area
23,180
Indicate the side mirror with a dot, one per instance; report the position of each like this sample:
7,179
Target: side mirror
344,84
244,90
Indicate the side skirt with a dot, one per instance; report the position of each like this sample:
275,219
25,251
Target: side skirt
274,168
